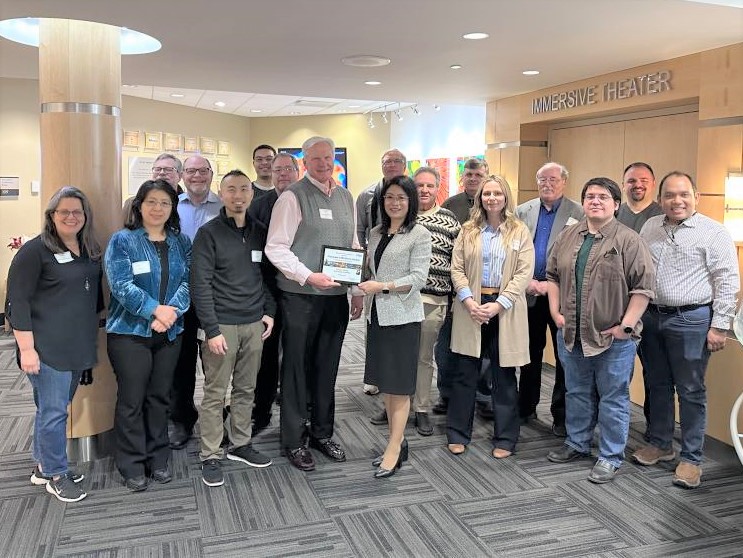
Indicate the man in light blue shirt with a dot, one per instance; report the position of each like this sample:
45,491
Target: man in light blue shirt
196,206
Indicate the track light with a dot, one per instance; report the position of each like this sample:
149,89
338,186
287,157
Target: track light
436,108
370,123
384,118
416,110
398,114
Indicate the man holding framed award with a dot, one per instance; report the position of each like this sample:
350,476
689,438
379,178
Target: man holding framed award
310,215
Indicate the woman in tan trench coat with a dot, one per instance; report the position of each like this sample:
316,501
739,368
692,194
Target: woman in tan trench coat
492,263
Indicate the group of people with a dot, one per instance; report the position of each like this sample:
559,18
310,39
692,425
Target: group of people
469,287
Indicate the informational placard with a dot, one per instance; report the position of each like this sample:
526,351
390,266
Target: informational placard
10,186
140,170
344,265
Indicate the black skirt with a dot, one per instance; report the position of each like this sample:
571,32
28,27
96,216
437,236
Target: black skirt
392,356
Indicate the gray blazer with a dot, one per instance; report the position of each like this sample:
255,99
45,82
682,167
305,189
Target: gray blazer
528,212
405,262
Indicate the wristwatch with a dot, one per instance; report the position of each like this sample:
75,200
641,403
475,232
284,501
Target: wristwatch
628,329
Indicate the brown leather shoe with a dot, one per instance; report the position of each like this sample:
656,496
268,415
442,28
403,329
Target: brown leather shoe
457,449
687,475
650,455
301,458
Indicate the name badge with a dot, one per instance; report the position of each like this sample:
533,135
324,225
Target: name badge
256,255
515,245
64,257
326,214
138,268
571,221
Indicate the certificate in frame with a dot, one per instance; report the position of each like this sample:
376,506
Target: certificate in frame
343,265
223,148
153,141
173,142
191,144
208,145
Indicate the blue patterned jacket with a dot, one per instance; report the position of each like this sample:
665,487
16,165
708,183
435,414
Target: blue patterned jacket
133,273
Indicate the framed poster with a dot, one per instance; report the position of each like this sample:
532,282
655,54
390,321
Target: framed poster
441,165
223,148
223,167
208,145
140,170
173,142
153,141
191,144
131,140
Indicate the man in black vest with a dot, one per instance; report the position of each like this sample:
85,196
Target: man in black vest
310,214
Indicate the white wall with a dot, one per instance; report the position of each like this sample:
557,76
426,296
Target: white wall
454,131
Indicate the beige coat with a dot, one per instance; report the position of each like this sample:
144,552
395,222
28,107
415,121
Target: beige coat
466,271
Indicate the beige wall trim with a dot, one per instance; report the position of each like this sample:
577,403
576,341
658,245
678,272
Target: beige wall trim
522,143
82,108
623,117
714,122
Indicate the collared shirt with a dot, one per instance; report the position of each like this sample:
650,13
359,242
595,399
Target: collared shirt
619,265
696,263
542,238
193,216
285,220
493,258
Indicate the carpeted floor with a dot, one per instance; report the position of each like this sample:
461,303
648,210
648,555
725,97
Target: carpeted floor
437,505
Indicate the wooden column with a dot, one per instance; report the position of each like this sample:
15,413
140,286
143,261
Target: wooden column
79,92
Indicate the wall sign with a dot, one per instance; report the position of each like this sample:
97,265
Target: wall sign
10,186
646,84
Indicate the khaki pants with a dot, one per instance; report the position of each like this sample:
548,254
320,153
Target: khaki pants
434,318
242,361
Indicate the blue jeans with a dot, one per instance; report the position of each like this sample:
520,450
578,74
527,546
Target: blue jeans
598,393
674,353
53,391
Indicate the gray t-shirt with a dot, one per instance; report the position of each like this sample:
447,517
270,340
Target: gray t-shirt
634,220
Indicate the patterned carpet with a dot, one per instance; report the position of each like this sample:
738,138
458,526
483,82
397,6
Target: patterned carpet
437,505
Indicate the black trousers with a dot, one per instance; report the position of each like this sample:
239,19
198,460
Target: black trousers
314,327
530,383
268,375
504,395
182,408
143,367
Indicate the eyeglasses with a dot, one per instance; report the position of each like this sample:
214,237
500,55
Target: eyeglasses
399,199
393,162
65,213
283,169
603,198
552,180
203,171
166,170
152,204
263,159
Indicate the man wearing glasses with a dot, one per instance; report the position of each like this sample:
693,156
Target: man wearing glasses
689,318
263,157
196,206
285,171
166,167
546,216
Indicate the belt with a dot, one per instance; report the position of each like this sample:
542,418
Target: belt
489,290
674,309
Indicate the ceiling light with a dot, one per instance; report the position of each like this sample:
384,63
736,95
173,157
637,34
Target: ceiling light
398,114
384,118
220,104
456,66
25,30
475,36
530,72
365,61
416,110
255,111
354,106
437,108
373,83
129,86
177,95
370,122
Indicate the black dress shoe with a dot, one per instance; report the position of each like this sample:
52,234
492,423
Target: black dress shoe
329,448
383,473
136,484
301,458
162,476
423,424
441,406
565,454
403,455
379,418
179,437
559,430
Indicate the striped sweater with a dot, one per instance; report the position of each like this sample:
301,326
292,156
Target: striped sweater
444,228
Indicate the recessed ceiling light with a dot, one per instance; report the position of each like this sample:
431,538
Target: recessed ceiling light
373,82
177,95
256,111
475,36
365,61
25,30
530,72
220,104
456,66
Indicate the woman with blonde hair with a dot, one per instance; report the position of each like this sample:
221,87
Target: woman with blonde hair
492,262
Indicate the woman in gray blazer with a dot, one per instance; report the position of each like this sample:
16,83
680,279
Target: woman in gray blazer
399,254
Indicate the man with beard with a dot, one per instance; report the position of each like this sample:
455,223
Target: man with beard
639,188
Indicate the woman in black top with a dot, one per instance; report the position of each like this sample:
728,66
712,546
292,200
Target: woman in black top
54,297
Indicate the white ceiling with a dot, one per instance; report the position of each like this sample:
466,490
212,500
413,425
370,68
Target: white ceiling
269,55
